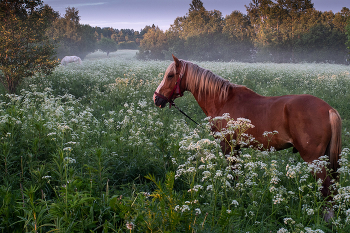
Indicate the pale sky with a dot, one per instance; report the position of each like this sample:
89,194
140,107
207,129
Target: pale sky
136,14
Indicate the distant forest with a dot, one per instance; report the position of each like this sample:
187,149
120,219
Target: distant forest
270,31
73,38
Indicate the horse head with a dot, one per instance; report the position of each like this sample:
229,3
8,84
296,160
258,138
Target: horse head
172,85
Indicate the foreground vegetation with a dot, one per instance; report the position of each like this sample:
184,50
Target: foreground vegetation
86,150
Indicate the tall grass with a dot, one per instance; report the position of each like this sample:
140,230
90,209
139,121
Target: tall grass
85,149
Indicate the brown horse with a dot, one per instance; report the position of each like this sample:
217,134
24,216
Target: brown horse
304,122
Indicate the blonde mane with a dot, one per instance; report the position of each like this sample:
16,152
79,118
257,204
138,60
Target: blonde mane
205,81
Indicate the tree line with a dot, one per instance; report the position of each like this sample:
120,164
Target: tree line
273,31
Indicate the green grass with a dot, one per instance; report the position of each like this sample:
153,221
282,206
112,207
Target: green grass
86,150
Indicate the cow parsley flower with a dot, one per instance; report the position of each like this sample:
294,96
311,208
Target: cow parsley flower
282,230
235,203
130,225
288,221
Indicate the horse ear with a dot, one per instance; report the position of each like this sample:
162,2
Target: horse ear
177,62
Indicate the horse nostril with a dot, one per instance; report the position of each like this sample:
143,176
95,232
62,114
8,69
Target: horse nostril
156,100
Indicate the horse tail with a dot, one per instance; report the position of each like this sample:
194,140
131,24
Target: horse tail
334,146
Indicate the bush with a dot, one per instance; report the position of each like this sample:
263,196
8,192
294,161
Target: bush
128,45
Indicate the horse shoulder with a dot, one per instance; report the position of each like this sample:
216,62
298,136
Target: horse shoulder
241,102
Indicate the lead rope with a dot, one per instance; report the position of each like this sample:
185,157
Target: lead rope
173,104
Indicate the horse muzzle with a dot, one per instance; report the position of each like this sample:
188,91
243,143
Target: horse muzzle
159,102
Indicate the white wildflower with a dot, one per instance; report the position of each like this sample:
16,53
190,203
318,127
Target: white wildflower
282,230
130,225
288,221
235,203
69,160
67,148
277,199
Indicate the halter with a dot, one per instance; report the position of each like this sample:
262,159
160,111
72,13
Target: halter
178,93
176,90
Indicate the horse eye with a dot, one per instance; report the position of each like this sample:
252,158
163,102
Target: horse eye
170,76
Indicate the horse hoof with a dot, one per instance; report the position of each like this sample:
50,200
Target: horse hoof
328,215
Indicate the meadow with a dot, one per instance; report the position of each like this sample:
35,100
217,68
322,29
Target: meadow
86,150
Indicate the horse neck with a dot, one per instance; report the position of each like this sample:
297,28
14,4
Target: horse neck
213,104
211,91
210,104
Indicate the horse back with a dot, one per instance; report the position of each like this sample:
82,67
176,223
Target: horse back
301,120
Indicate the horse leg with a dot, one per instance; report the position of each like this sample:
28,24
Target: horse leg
228,149
324,177
326,184
323,174
326,192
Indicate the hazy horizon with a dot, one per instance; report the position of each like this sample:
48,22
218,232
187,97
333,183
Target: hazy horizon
136,14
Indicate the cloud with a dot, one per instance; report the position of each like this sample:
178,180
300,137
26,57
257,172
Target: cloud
136,25
88,4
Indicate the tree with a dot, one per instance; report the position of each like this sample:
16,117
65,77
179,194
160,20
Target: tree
107,45
153,44
340,19
24,48
196,5
199,35
238,30
282,30
237,26
198,21
73,39
348,34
